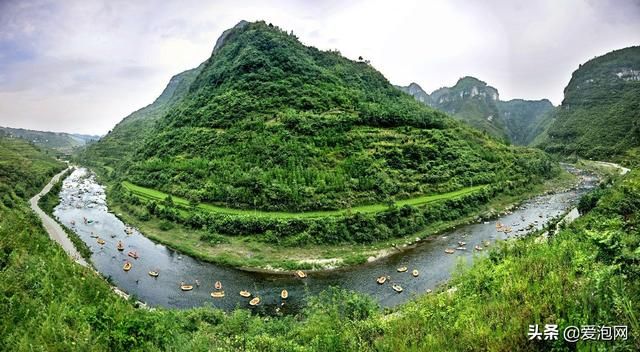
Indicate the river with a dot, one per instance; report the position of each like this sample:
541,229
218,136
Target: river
82,197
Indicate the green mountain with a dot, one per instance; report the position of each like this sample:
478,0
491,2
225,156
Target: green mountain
59,141
478,104
600,115
269,123
24,168
417,92
474,102
525,119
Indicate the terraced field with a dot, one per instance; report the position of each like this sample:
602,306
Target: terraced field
152,194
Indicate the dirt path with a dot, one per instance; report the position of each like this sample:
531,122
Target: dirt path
623,170
53,228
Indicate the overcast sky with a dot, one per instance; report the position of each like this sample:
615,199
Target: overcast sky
81,66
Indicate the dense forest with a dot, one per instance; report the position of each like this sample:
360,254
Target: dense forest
585,274
600,115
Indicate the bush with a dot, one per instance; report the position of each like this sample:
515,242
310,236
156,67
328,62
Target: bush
166,225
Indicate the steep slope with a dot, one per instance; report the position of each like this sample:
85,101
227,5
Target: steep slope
525,119
417,92
59,141
24,167
600,114
118,145
478,104
269,123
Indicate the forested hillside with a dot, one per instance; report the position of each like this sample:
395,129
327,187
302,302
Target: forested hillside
600,115
474,102
525,119
269,123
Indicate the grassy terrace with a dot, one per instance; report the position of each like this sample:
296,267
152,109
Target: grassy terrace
151,194
248,251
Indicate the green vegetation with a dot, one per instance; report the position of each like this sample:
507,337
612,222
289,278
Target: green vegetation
23,169
252,132
474,102
115,148
64,143
525,119
154,195
599,117
273,249
50,200
293,147
367,226
587,273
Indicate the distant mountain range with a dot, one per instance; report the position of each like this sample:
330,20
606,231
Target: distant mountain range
478,104
60,141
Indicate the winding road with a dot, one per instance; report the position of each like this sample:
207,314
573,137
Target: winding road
55,231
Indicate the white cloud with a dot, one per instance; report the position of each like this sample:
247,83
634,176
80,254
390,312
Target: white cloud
84,65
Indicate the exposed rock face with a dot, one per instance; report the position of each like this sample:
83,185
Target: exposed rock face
628,74
225,34
470,100
417,92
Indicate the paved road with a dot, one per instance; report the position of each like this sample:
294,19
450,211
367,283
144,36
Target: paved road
53,228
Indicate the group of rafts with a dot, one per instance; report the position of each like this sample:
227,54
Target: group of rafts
120,246
219,293
500,227
396,287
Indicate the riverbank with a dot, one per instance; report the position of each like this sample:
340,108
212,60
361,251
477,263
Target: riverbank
246,253
54,229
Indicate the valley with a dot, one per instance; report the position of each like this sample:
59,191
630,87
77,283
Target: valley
82,198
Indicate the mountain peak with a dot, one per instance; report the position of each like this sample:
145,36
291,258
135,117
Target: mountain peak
473,86
225,34
417,92
471,80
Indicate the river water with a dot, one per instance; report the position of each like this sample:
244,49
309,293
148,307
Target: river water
82,197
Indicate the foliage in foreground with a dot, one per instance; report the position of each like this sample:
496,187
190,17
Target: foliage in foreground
586,274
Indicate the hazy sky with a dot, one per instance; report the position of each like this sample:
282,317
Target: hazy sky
81,66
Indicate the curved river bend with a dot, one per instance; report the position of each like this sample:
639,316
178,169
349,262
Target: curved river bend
82,197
